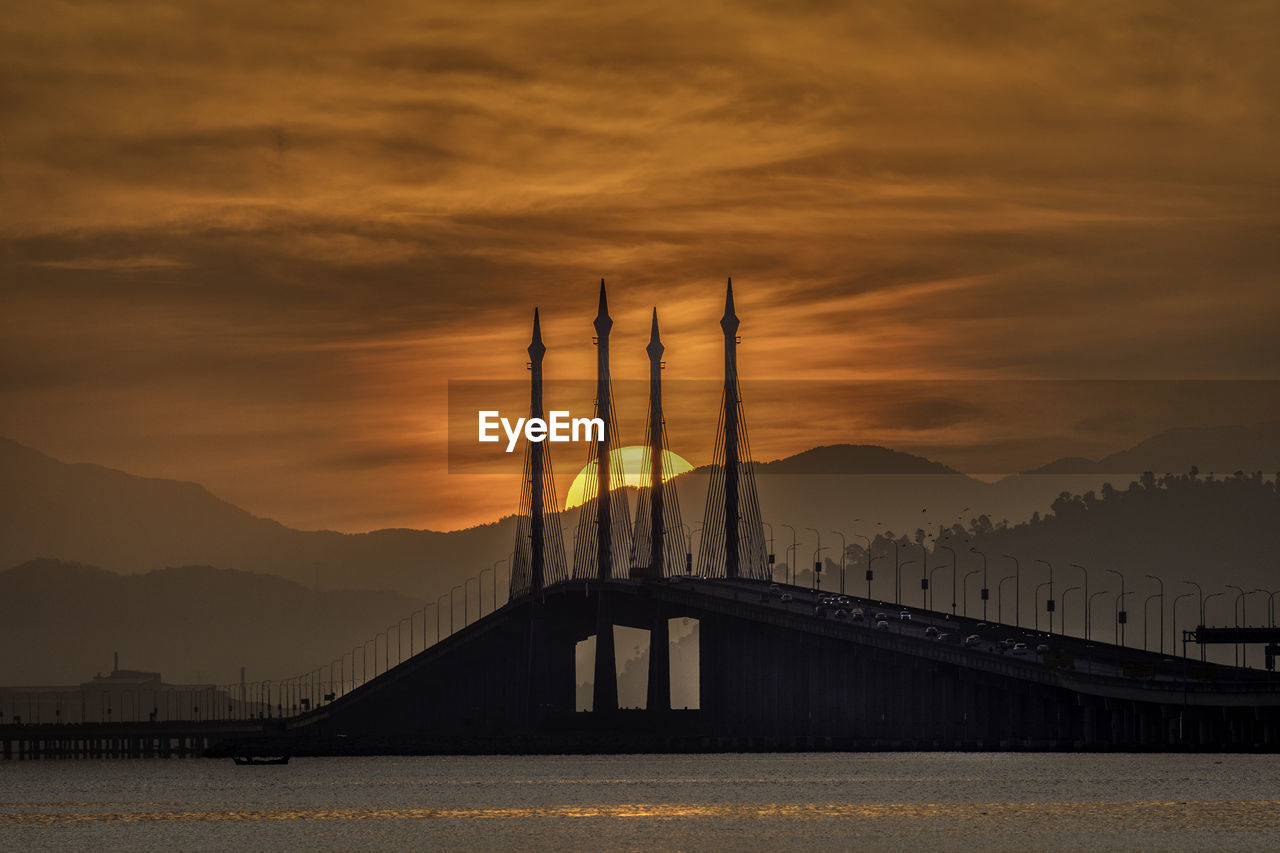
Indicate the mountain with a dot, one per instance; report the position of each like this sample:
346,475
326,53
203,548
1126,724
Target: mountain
125,523
1220,449
61,622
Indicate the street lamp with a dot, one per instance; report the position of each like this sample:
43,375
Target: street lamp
1235,612
790,567
1017,591
817,567
1144,616
464,611
1089,603
964,591
1000,597
1176,599
843,547
1086,600
770,558
870,571
1121,616
1205,617
438,609
1036,603
1201,622
986,591
1048,602
1064,606
953,577
933,585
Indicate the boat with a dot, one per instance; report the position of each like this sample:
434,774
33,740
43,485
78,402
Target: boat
250,759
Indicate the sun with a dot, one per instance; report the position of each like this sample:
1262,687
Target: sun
633,461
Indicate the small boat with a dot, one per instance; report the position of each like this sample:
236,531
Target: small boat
249,759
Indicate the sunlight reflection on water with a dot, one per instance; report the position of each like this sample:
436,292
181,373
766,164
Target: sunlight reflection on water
1009,801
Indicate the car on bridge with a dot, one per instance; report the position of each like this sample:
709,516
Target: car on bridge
972,640
882,625
904,616
931,631
1021,649
856,614
880,617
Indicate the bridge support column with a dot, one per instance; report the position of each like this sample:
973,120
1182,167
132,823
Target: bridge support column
604,701
659,698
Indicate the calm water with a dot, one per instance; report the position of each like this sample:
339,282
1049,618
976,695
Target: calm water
758,802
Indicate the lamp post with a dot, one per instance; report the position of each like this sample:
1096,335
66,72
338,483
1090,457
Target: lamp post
1121,616
791,568
1064,606
790,564
1036,602
1000,597
1048,602
1205,615
1089,603
953,577
924,575
964,591
870,572
933,585
466,591
986,591
1235,613
906,563
817,567
770,556
1017,590
494,601
897,575
1176,599
1086,600
451,605
1200,590
1144,615
438,609
843,547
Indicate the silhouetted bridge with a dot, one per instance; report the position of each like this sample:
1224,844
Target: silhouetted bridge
773,675
775,671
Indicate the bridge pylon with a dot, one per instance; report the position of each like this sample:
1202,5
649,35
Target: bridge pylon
539,546
732,544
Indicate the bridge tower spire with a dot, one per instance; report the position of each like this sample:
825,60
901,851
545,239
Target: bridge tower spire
732,544
536,456
539,546
729,323
604,405
655,350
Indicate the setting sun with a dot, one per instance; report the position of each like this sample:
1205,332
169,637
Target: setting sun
632,461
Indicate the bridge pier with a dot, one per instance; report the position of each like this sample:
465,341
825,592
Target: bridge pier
659,687
604,700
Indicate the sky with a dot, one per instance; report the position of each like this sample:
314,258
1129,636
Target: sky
250,244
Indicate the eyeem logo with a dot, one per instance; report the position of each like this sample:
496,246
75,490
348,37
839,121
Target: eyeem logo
558,427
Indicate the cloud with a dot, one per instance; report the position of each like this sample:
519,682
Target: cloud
287,214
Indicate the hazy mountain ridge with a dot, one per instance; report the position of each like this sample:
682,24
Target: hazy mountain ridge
1219,449
192,623
98,516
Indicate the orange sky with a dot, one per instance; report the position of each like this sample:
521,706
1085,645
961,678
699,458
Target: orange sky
248,244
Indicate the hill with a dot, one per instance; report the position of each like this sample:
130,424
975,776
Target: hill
60,623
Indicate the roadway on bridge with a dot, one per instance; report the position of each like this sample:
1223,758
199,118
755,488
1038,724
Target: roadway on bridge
1086,656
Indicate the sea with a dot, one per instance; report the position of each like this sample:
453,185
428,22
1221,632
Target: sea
808,801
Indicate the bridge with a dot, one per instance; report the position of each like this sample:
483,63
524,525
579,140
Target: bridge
780,666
